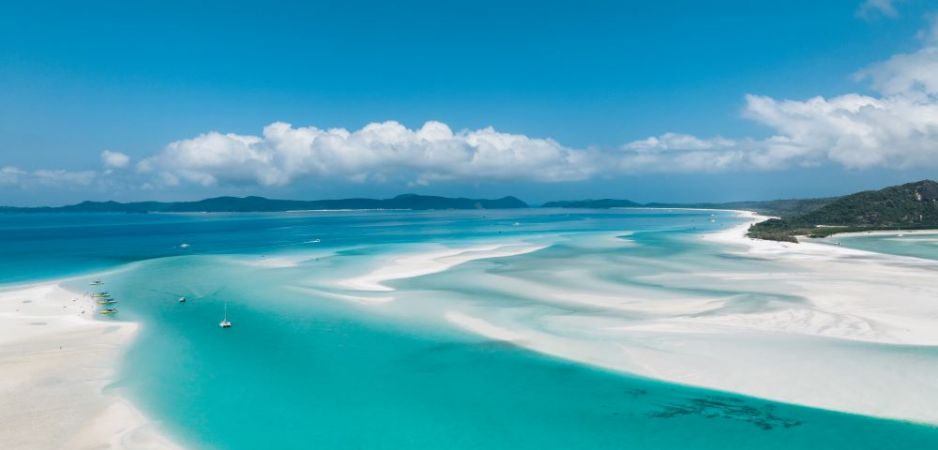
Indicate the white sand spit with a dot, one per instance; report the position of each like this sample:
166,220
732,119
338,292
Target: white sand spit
811,324
425,263
55,361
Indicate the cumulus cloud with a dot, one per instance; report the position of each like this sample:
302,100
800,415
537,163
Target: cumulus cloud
114,160
908,74
898,128
377,152
856,131
853,130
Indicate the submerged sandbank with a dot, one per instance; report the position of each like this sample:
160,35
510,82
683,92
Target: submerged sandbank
428,262
807,324
56,362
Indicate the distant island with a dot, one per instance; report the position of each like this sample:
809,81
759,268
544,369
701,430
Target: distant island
906,207
768,207
261,204
403,202
593,204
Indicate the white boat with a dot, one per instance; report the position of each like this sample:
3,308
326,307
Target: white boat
224,322
182,299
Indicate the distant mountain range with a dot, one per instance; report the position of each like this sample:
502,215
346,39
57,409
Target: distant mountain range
908,206
769,207
406,201
261,204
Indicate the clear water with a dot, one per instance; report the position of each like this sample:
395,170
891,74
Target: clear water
909,244
304,368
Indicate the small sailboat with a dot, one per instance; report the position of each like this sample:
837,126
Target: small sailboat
224,322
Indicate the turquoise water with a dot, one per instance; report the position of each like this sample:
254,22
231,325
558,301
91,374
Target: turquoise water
909,244
304,367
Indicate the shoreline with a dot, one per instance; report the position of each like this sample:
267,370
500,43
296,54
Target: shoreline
811,246
830,337
883,233
58,362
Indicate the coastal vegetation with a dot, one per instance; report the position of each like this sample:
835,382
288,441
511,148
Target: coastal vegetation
786,207
909,206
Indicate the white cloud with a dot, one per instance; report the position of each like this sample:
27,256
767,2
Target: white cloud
114,160
872,8
857,131
853,130
10,175
62,177
376,152
906,74
897,128
14,176
673,152
680,142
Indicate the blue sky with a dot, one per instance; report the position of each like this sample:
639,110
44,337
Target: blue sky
570,89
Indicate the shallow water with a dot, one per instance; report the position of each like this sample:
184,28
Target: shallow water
309,363
909,244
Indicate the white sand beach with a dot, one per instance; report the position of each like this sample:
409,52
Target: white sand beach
825,326
428,262
888,233
56,362
856,332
